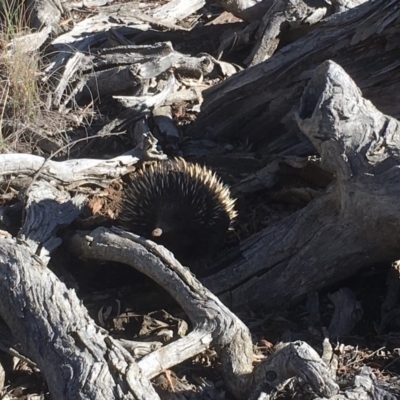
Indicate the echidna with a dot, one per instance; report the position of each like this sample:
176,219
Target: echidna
181,205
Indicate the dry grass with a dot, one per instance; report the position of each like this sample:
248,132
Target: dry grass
18,91
19,94
24,117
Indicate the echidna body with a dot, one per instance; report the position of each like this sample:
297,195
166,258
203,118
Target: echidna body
183,206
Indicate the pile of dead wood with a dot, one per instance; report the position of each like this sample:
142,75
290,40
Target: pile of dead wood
317,92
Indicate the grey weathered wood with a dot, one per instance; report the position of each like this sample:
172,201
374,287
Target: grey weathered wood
273,21
214,325
126,17
83,361
43,16
143,104
166,128
258,104
348,311
22,169
45,13
28,43
291,360
77,358
335,234
88,32
344,5
248,10
9,344
177,10
88,4
122,69
169,12
364,387
69,173
293,13
72,356
299,16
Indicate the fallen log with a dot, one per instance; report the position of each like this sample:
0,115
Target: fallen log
336,234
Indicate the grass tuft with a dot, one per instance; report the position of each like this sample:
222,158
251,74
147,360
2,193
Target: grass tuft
25,119
13,17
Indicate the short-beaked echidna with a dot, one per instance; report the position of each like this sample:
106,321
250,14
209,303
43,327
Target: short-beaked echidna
181,205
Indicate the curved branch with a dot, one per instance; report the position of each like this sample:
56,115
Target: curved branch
212,321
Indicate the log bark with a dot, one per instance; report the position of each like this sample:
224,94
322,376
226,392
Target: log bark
258,105
45,13
280,16
248,10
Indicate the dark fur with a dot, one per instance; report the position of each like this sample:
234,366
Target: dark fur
193,212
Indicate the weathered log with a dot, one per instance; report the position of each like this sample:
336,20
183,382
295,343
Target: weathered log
177,10
251,10
22,169
258,104
280,16
49,321
94,30
334,235
348,311
289,20
248,10
291,360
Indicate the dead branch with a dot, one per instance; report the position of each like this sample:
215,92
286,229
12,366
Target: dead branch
212,321
20,169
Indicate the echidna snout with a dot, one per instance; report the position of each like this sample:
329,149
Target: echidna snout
183,206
